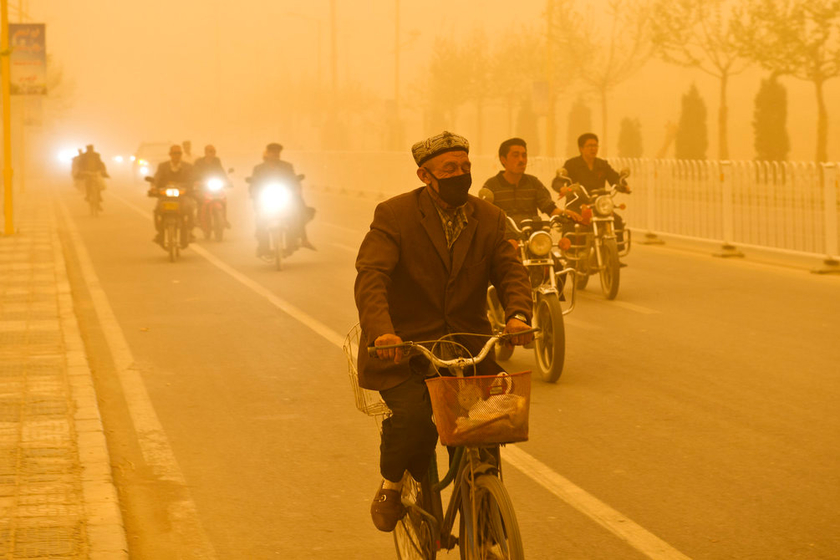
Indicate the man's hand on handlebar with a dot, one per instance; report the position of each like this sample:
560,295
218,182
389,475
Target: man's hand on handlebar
514,326
395,354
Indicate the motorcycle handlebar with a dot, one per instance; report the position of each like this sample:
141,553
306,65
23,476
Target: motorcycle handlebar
456,362
515,227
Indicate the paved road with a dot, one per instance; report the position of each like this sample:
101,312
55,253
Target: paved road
700,407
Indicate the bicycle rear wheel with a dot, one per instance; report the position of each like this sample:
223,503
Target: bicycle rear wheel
494,533
413,535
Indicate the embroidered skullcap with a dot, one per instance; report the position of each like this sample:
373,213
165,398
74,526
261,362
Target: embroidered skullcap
444,142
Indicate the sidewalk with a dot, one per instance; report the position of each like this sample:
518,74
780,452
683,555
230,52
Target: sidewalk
57,496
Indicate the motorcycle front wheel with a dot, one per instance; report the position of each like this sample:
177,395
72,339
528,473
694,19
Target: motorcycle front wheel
550,345
218,223
171,241
610,272
277,236
496,316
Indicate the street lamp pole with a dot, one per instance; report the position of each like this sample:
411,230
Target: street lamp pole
5,68
333,52
397,58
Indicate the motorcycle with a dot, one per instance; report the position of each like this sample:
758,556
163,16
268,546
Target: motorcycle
277,206
595,248
93,187
176,229
548,271
212,217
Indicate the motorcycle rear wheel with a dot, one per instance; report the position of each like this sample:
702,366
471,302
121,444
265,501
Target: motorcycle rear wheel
550,346
610,273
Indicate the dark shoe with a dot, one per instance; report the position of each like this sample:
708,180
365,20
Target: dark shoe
386,509
622,264
308,245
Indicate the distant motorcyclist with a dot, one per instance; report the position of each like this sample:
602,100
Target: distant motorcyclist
205,168
187,156
593,173
174,171
274,169
74,171
91,162
520,195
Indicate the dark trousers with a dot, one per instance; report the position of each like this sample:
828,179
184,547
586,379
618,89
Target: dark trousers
409,436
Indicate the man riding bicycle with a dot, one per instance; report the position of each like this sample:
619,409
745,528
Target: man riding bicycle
423,270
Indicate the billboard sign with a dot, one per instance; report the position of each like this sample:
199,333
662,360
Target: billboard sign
28,59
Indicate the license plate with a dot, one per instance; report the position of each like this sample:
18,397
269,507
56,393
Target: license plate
171,206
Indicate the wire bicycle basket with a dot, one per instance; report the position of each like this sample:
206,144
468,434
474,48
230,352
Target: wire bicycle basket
367,401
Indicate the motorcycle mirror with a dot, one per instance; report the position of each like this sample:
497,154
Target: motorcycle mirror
625,172
301,177
563,174
149,179
248,180
486,194
230,170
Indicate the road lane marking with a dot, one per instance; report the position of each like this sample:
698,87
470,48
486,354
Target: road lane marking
154,445
623,304
343,228
618,524
292,310
348,248
642,540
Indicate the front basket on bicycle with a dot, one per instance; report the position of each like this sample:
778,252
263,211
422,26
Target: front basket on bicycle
481,410
367,401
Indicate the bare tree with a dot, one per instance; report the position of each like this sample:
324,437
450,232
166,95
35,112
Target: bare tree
699,34
799,38
514,67
604,60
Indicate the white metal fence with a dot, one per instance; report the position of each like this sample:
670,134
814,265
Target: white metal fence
780,206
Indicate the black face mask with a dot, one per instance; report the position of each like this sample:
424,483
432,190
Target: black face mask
454,190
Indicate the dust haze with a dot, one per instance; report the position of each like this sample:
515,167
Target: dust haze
321,75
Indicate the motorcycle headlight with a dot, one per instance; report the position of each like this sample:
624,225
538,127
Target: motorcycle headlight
539,243
604,205
173,192
144,171
215,185
274,198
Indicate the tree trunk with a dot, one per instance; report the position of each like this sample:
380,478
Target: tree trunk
510,108
479,122
723,116
822,124
603,143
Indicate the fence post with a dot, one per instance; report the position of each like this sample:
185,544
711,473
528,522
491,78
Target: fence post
651,178
829,176
727,249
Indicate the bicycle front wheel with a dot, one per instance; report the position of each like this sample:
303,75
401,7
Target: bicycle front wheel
413,534
494,532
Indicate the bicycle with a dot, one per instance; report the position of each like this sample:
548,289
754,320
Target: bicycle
497,414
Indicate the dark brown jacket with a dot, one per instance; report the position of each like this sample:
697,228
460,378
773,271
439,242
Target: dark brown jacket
410,285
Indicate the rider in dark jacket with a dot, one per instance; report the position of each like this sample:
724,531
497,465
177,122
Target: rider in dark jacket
180,173
593,173
273,168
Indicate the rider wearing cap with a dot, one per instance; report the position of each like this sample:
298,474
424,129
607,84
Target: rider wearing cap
423,271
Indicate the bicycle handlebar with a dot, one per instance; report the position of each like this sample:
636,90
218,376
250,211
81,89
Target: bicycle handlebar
456,362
